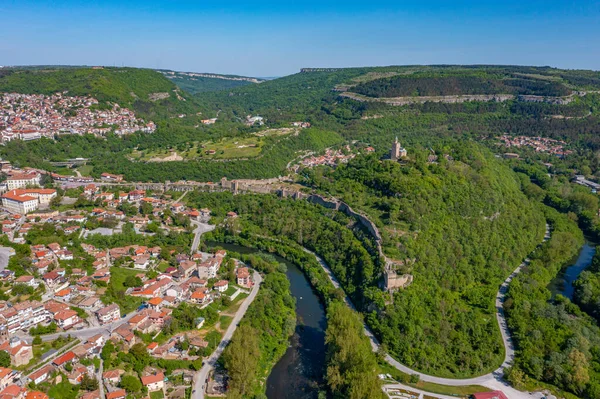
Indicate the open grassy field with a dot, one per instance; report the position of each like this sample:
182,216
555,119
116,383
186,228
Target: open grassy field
249,146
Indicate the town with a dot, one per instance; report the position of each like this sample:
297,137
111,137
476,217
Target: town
80,311
32,116
538,144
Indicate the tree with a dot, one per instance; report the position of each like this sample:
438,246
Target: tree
132,281
140,357
107,352
241,359
131,383
579,376
351,364
89,383
4,359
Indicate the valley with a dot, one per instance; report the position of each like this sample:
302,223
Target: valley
422,238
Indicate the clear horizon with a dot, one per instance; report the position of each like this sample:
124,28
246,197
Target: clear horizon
274,39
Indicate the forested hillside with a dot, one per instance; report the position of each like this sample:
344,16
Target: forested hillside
459,227
556,341
129,87
458,83
312,97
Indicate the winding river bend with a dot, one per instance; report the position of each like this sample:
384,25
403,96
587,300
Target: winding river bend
563,283
299,372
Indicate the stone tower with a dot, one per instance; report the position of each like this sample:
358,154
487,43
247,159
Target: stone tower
397,151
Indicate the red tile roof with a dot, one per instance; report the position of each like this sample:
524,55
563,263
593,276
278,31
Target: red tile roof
151,379
490,395
67,357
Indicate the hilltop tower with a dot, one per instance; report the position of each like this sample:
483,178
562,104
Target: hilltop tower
397,151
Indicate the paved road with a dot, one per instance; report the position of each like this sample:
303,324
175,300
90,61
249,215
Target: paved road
99,378
84,333
493,380
201,228
5,254
209,364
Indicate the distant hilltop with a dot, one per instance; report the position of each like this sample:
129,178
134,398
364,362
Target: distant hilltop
306,70
174,74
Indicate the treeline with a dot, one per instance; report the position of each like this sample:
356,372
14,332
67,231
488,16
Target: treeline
200,84
262,336
316,228
415,85
557,192
587,288
556,342
459,227
351,363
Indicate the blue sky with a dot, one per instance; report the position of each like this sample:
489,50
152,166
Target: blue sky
278,38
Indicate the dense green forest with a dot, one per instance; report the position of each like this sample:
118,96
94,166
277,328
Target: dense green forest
352,365
474,215
263,333
459,227
457,84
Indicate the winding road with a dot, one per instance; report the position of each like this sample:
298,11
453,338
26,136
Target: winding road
200,229
202,375
493,380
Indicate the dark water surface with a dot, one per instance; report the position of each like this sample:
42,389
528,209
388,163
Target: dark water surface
563,283
299,372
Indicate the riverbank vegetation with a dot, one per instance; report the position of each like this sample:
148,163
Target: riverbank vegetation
556,342
263,334
351,363
319,229
587,288
351,369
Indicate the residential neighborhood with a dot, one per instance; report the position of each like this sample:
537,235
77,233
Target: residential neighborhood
89,291
33,116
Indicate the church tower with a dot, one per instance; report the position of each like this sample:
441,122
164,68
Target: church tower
397,151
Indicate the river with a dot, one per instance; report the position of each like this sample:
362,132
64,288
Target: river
563,283
299,372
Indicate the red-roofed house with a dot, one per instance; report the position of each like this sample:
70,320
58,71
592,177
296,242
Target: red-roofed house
36,395
154,382
118,394
490,395
64,359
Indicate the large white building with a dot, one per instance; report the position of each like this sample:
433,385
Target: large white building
22,180
27,200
